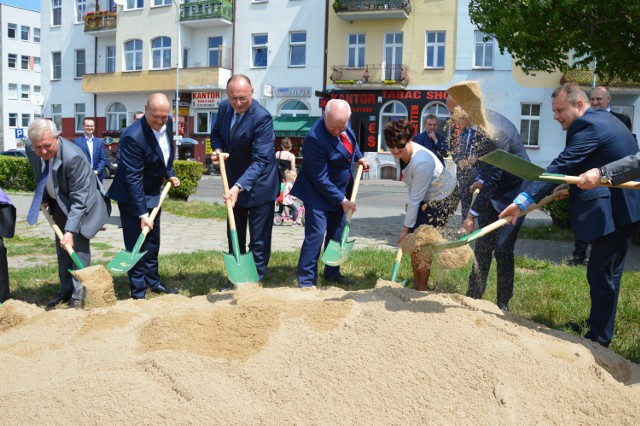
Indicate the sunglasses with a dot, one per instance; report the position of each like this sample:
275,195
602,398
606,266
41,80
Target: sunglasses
396,145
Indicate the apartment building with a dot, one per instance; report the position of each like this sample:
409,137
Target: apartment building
20,71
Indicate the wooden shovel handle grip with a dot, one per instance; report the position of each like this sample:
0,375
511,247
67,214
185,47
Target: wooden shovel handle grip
354,192
225,188
56,229
156,209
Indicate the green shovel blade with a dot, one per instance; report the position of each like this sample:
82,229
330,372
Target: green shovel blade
124,261
465,239
241,268
519,167
394,274
337,252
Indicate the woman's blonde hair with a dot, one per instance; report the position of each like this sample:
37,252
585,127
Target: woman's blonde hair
286,144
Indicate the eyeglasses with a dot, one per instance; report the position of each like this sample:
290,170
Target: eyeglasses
391,145
242,99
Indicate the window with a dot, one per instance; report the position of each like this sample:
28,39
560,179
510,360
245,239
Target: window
259,49
26,119
355,50
393,51
161,2
56,14
133,4
13,91
79,115
483,57
81,10
13,119
530,123
25,91
11,30
185,58
80,63
24,62
36,35
161,53
435,49
37,67
110,66
215,53
37,90
56,65
116,116
298,49
56,115
294,108
132,56
205,120
12,60
24,33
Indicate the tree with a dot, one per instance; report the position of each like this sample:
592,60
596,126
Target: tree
540,34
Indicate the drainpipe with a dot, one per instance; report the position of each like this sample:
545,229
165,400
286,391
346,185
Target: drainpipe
233,37
95,71
324,56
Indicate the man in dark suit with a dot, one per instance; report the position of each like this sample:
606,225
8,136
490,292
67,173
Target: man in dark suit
431,139
608,217
92,147
145,162
74,200
601,97
244,132
7,230
498,188
330,152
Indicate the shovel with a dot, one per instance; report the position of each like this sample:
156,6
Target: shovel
497,224
59,234
241,268
396,267
526,170
337,252
126,260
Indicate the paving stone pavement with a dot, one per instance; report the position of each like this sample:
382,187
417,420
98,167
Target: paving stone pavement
183,235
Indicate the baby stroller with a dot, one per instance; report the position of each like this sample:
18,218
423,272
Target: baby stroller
285,218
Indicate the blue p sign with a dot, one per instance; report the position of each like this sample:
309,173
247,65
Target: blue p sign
19,133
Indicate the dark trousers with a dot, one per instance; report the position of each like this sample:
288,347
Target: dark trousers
580,249
4,273
604,272
260,221
320,226
501,244
145,273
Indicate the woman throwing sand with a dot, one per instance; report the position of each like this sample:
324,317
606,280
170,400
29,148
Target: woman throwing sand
432,199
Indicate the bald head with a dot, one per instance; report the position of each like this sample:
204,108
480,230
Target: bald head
156,111
600,97
336,116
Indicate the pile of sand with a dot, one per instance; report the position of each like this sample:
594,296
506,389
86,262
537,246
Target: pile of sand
289,356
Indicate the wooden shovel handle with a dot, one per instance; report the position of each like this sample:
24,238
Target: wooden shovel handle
56,229
156,209
225,188
354,192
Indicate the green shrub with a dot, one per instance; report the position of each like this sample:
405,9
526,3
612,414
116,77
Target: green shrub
189,173
16,174
559,212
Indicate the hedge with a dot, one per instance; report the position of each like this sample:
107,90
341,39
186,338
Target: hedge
16,174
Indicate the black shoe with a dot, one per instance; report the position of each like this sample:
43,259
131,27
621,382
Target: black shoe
76,304
504,307
576,327
575,261
160,288
340,279
56,301
228,286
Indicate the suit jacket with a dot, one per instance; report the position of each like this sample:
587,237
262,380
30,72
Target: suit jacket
624,118
594,139
439,148
500,187
326,169
141,167
99,156
78,192
252,162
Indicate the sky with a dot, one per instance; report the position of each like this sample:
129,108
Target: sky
25,4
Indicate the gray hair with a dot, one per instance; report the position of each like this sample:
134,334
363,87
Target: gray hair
39,127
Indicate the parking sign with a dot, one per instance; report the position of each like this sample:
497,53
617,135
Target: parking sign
19,133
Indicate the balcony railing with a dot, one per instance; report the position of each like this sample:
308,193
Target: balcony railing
370,75
372,9
207,9
101,20
585,78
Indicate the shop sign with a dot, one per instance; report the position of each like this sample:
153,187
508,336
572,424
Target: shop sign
207,100
300,92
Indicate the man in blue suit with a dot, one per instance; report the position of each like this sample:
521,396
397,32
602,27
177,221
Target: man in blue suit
498,188
92,147
431,139
330,152
145,161
609,217
244,133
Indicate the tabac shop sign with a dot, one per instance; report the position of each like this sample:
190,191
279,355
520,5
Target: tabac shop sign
206,99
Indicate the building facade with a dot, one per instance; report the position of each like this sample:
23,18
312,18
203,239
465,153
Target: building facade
20,71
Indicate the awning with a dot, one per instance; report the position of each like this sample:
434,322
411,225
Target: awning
296,127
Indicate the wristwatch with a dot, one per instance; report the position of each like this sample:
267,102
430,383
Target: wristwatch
604,179
240,188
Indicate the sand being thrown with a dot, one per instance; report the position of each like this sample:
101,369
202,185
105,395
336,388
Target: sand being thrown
423,241
285,356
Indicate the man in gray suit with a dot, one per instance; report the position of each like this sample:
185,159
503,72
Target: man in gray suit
72,194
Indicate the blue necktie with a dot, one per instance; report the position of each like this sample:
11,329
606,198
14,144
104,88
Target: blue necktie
234,125
34,210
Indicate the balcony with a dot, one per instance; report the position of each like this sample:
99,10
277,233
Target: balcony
370,76
101,23
585,78
361,10
206,13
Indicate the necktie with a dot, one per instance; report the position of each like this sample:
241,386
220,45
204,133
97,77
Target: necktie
32,216
234,123
347,143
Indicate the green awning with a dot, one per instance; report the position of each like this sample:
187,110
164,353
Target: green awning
296,127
